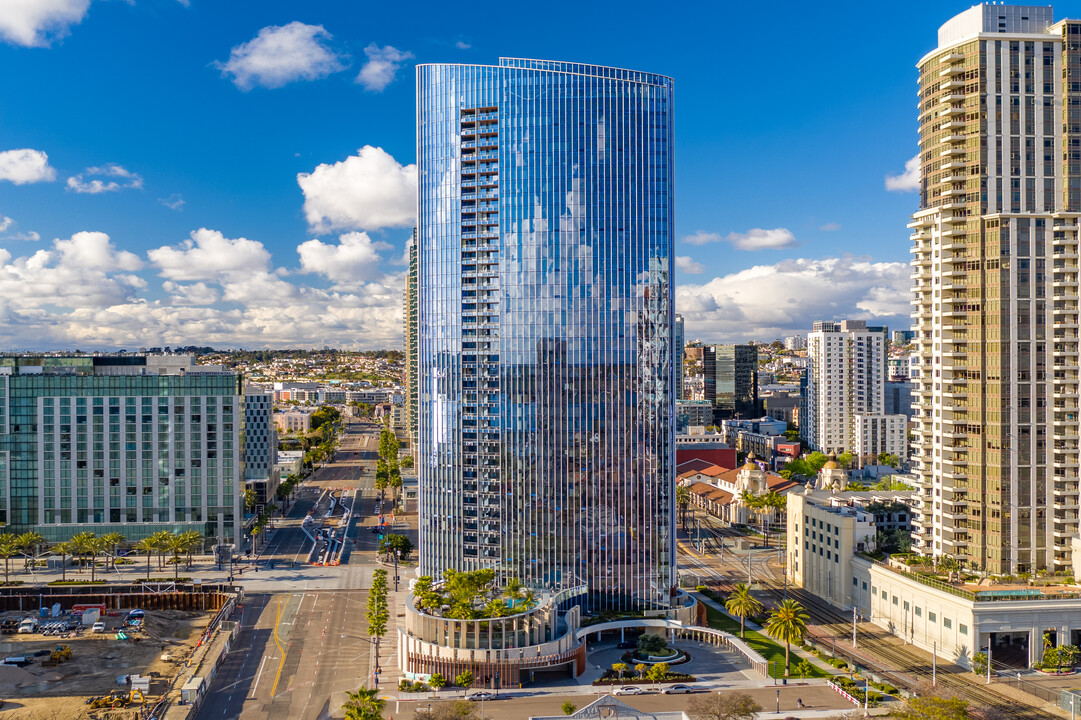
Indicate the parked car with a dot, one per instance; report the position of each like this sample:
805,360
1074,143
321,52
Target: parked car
629,690
483,695
678,690
627,645
99,627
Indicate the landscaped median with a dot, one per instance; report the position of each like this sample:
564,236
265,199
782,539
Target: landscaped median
771,651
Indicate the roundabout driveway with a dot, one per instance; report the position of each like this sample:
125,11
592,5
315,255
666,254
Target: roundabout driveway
715,666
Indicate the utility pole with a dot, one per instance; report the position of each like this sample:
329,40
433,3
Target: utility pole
989,660
934,664
853,627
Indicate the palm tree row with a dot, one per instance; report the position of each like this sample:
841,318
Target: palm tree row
787,622
89,546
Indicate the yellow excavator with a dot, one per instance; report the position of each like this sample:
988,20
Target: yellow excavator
62,653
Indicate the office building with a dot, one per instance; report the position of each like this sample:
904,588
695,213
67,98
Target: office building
731,380
131,444
994,245
897,396
845,375
546,348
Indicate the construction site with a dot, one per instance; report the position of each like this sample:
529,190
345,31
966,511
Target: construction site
119,656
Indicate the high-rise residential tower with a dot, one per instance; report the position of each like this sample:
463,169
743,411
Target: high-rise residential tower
996,289
678,344
843,403
546,373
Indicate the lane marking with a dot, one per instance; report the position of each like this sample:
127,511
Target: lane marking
277,642
258,675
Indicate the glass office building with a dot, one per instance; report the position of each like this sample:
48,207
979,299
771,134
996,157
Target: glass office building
546,363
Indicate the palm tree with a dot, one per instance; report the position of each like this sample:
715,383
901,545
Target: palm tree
364,704
192,539
177,546
112,541
29,541
683,499
788,623
87,543
63,549
149,546
161,544
742,604
9,545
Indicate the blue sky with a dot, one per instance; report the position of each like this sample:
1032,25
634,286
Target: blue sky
169,209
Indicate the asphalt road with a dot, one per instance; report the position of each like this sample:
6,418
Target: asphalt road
299,652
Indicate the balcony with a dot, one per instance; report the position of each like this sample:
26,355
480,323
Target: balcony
951,98
952,151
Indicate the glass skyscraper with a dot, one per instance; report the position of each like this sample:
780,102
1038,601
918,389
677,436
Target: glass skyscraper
546,374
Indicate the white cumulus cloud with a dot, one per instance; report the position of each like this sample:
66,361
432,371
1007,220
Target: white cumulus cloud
355,259
768,301
383,64
830,227
209,255
366,191
279,55
5,223
35,23
689,265
909,180
83,271
754,239
110,178
25,166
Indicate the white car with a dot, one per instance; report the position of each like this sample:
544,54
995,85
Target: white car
99,627
629,690
677,690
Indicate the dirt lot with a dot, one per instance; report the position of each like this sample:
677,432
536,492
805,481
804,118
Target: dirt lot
54,693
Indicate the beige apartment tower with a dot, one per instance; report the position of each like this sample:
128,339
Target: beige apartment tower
995,257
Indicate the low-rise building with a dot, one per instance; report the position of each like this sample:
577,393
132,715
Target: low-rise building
296,420
693,413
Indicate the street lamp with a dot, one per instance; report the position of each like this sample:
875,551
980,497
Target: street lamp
397,554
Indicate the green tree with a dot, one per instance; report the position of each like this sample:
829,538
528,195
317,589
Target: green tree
723,706
845,459
658,673
651,644
250,498
803,668
568,707
363,704
64,549
437,681
407,461
641,669
788,623
932,708
9,545
161,544
192,539
464,679
619,668
743,605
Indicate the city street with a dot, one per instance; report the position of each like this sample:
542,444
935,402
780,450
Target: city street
303,644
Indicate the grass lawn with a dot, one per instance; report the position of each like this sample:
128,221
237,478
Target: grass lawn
762,644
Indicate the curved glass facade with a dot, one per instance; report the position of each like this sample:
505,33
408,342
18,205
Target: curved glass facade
546,381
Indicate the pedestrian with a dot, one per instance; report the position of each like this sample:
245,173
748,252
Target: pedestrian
799,703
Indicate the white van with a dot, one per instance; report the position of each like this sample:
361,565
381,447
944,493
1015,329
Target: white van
28,625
